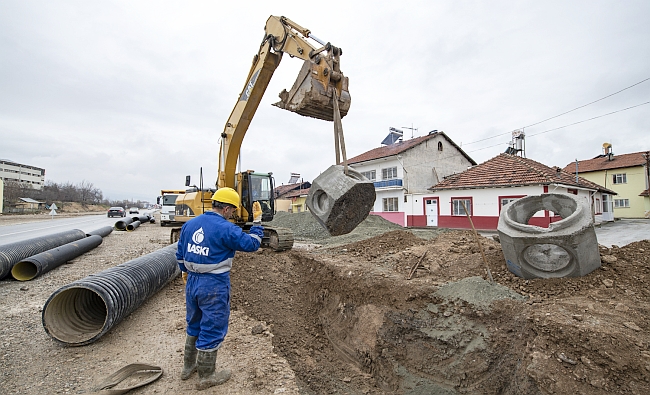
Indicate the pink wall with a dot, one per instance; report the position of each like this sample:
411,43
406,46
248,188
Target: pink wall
396,217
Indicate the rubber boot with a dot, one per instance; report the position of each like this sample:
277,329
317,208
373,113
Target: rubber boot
208,378
189,357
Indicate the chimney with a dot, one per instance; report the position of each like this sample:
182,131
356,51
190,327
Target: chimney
607,151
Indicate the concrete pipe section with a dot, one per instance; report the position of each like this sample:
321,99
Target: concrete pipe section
83,311
567,248
340,202
12,253
38,264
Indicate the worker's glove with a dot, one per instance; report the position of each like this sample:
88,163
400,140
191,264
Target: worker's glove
257,213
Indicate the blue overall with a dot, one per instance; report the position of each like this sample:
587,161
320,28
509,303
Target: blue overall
206,249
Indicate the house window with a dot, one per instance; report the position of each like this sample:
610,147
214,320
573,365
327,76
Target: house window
388,173
390,204
505,201
572,191
619,178
621,203
457,206
439,145
371,175
598,207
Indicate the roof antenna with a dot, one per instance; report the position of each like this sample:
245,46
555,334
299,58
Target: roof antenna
411,129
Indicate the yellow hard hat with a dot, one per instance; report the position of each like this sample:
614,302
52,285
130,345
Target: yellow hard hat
226,195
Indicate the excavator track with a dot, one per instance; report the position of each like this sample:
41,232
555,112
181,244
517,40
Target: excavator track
279,239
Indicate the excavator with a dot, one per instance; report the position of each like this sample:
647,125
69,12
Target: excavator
320,91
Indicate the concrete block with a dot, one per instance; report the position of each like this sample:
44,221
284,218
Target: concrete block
340,202
567,248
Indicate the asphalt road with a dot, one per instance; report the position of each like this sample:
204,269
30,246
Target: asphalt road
20,232
623,232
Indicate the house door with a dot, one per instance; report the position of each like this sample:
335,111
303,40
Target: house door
431,206
608,208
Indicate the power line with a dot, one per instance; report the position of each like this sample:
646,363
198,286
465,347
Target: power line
530,135
566,112
600,116
595,101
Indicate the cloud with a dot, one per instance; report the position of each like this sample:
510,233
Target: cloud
133,96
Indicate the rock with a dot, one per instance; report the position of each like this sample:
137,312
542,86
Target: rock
257,329
621,307
608,259
632,326
608,283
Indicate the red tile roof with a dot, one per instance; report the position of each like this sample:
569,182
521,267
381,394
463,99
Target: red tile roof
296,193
280,190
397,148
508,170
604,163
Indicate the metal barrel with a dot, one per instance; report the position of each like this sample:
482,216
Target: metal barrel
38,264
133,225
83,311
14,252
103,231
121,224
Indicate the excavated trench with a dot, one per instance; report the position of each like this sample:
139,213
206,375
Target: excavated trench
359,332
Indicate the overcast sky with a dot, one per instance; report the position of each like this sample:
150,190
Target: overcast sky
132,95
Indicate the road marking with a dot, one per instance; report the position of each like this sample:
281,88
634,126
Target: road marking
47,227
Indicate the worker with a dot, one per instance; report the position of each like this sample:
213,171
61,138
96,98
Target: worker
206,249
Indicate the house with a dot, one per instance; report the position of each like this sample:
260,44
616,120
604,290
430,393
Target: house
628,175
298,199
403,171
486,188
289,197
25,204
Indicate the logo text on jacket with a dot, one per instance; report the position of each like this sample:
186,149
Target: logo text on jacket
199,250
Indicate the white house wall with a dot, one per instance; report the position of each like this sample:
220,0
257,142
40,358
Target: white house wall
486,203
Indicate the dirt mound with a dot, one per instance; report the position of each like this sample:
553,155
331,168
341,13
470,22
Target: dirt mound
306,228
348,320
74,207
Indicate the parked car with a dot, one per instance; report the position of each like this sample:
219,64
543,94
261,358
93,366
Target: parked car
116,212
134,210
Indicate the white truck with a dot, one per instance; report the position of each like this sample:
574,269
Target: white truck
167,201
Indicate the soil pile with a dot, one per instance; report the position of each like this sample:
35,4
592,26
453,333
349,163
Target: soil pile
344,318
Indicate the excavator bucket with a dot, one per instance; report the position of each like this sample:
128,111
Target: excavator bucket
310,95
340,201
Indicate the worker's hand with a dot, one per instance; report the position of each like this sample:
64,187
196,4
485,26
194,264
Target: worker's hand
257,212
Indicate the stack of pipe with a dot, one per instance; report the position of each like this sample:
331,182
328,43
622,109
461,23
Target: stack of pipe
35,265
12,253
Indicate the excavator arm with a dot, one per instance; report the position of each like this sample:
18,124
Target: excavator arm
319,81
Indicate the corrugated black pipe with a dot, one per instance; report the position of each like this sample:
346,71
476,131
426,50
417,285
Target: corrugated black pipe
142,218
14,252
83,311
38,264
132,226
121,224
103,232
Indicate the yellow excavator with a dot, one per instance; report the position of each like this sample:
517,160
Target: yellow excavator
320,91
